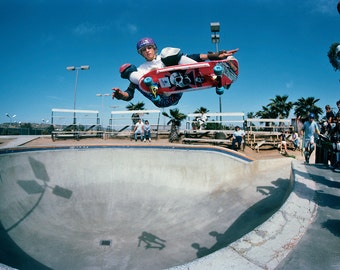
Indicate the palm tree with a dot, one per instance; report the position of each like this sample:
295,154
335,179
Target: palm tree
303,107
135,107
333,57
266,113
201,110
251,115
280,105
176,117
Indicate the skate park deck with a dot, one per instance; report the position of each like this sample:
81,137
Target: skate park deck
147,208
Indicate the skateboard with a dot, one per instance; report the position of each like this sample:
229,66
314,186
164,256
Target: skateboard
191,77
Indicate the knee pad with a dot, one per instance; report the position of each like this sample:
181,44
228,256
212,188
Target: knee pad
171,56
311,148
126,69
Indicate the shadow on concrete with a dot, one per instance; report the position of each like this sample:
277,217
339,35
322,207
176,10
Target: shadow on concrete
321,197
319,178
10,253
14,256
39,169
251,218
32,187
151,241
333,225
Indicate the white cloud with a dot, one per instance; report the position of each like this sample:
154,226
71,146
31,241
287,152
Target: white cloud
132,28
325,7
88,29
289,85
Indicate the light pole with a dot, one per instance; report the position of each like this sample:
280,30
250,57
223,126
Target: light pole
215,38
102,95
11,117
72,68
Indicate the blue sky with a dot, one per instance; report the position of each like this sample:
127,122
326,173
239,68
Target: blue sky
283,51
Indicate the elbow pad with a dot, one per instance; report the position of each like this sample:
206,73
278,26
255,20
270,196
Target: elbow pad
126,69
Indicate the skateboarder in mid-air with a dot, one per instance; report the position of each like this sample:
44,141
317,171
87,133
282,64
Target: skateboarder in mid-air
168,57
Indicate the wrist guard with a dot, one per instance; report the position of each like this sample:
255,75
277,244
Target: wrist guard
118,95
215,56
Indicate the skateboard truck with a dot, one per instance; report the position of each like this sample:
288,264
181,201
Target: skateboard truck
152,87
218,72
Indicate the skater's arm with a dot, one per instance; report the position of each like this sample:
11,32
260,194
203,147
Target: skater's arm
126,95
218,55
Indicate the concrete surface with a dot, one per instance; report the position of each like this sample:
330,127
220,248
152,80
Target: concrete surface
319,247
238,227
154,207
15,141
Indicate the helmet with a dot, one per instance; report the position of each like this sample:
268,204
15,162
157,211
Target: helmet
145,42
311,115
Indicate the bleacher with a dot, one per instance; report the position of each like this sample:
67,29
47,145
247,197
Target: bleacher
217,130
85,124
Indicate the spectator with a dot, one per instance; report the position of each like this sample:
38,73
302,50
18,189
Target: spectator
295,138
338,105
329,118
237,138
309,130
202,120
147,131
283,137
139,129
335,139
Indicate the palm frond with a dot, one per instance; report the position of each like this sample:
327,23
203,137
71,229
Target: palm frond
334,57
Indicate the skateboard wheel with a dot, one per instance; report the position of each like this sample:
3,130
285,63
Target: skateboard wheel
218,70
148,81
157,98
219,90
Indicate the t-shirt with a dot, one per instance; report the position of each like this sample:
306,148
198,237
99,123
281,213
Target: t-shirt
239,133
309,129
283,136
139,126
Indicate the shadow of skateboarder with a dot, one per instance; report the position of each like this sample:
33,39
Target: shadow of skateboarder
151,241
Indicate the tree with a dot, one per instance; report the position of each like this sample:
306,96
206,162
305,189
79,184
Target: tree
277,108
266,113
251,115
334,55
135,107
303,107
176,117
201,110
280,106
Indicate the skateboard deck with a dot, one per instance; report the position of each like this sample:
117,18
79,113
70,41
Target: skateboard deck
191,77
